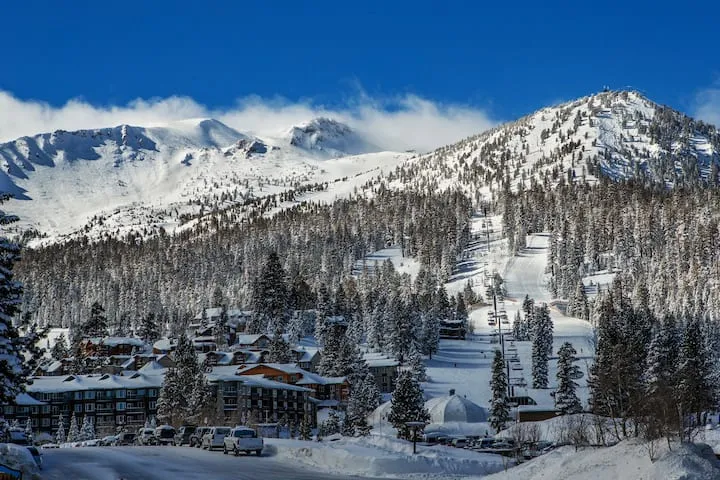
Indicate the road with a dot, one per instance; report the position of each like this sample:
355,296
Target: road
168,463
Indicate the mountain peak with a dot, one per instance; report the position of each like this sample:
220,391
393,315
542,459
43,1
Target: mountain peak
327,137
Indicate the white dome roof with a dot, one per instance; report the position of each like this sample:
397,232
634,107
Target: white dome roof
455,408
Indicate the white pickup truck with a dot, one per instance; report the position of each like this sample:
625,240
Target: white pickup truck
242,439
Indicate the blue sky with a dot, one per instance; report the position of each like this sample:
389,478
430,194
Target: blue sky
496,61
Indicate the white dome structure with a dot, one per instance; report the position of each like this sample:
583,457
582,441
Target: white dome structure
455,408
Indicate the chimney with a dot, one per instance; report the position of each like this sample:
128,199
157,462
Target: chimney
452,392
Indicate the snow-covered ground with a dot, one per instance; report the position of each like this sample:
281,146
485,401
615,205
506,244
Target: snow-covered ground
18,457
465,365
627,460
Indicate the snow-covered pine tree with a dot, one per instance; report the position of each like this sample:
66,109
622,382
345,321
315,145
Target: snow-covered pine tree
416,366
566,400
407,405
60,349
542,346
148,329
88,429
499,408
331,425
13,369
469,294
695,393
661,379
60,436
364,399
305,432
279,351
184,392
168,403
97,325
269,297
28,428
430,334
74,431
578,305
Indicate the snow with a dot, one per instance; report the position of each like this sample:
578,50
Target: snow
135,180
387,457
402,264
18,457
628,460
455,408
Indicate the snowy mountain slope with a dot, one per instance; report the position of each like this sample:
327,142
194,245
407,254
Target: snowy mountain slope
621,135
135,180
328,138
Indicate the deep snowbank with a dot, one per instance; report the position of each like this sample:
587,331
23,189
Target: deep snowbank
18,457
386,456
629,460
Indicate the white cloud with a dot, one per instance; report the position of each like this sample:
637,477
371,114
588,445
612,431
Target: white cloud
408,122
707,105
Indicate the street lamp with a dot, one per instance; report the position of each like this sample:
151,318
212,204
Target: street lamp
415,426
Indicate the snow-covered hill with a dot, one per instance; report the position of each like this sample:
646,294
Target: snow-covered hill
621,135
328,138
129,179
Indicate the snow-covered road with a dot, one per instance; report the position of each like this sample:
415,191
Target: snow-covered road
168,463
525,272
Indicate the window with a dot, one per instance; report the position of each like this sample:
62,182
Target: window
55,422
293,378
119,393
152,392
120,406
89,395
9,409
78,395
152,405
45,409
55,409
259,403
120,419
78,407
89,407
279,378
45,422
34,410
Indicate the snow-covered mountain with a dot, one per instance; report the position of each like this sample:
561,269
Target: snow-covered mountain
328,138
130,179
618,134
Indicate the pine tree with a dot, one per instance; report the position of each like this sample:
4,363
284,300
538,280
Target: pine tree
279,351
566,400
269,297
416,365
87,432
542,339
305,428
74,431
60,349
14,370
407,405
28,428
364,399
430,334
331,425
184,390
694,393
97,325
578,305
661,379
499,408
60,436
148,330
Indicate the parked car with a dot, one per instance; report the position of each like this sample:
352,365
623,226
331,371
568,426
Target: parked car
125,438
146,436
107,441
165,435
182,436
242,439
48,446
36,456
17,437
197,435
214,438
460,442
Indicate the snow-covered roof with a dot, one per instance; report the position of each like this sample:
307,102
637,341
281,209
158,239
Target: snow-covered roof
454,408
228,374
26,400
308,378
306,353
165,344
375,359
152,368
115,341
249,339
72,383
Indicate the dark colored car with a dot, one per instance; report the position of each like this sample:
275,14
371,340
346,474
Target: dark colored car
125,439
197,435
182,437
